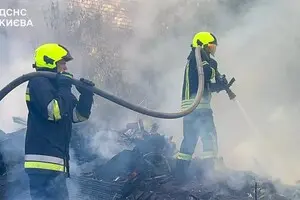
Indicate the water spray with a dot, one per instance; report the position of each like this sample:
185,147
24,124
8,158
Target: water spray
232,96
246,116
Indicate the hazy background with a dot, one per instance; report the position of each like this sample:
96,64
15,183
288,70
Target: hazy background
259,43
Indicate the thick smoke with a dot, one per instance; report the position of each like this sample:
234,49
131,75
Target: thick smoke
11,67
259,47
261,53
270,85
258,44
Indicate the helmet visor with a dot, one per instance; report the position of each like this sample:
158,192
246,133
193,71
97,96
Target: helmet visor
212,49
67,57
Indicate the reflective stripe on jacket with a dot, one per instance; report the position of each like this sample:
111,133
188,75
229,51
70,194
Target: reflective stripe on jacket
51,112
190,83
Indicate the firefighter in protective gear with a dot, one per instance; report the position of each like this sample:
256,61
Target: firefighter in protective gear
200,122
52,108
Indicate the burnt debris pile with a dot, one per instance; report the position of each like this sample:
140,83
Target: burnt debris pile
142,171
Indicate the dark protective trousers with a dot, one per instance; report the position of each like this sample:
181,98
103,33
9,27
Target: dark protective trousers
50,186
199,123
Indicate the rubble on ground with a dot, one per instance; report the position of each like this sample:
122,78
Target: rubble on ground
143,171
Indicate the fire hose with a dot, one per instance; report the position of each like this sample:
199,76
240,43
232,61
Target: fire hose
18,81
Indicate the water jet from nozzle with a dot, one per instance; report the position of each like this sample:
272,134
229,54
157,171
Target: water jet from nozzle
246,116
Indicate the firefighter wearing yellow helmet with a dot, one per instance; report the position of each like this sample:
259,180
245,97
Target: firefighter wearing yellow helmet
52,108
200,122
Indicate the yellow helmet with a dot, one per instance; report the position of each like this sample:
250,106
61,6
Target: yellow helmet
47,55
204,38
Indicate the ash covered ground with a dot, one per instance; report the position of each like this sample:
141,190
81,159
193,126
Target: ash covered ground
142,169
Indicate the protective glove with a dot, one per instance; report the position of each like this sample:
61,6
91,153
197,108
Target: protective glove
222,79
83,90
217,87
221,84
63,80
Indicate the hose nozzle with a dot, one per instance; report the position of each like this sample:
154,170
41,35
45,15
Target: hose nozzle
231,94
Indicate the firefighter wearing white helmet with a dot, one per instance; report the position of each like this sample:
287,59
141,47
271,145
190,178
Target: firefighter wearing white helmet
200,122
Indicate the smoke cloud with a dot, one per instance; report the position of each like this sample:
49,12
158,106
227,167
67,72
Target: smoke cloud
261,53
258,45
